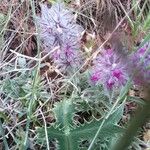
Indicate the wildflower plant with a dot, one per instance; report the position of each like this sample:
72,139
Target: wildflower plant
108,70
41,110
57,27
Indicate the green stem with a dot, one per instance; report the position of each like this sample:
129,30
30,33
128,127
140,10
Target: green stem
31,103
29,111
68,141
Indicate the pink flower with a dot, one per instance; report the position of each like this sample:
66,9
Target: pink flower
67,58
140,61
57,27
108,70
95,77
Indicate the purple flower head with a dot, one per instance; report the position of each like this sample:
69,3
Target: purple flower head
67,58
108,70
56,24
140,61
57,27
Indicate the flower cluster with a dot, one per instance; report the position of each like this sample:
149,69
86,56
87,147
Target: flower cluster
58,27
140,61
67,58
109,70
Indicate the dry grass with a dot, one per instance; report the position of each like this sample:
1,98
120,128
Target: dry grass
101,16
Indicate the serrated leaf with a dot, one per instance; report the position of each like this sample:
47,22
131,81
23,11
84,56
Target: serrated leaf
65,142
52,133
88,131
64,113
116,115
69,137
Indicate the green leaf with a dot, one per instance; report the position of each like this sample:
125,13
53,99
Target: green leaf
125,90
65,141
136,99
53,132
64,113
22,62
89,129
147,23
69,137
2,19
116,115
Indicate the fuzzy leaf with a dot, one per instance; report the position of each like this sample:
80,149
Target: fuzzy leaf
65,141
116,115
52,132
64,113
69,138
89,129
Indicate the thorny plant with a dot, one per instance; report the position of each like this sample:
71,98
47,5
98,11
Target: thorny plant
67,111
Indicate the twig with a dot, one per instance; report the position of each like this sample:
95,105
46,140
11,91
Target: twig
34,58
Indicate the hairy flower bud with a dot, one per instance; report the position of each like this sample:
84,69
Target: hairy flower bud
108,70
58,27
